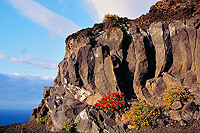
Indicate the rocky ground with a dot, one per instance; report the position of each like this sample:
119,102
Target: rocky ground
27,127
32,127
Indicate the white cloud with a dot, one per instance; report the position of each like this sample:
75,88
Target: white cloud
29,60
16,74
2,55
30,77
16,59
45,17
123,8
32,61
47,78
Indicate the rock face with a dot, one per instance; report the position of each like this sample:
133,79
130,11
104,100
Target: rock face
120,56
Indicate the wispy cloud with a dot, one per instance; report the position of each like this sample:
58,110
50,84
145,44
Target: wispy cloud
29,60
123,8
2,55
32,61
30,77
45,17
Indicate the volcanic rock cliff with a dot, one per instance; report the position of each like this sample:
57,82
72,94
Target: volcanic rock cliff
139,57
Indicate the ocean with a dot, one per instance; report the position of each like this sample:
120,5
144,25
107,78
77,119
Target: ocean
8,117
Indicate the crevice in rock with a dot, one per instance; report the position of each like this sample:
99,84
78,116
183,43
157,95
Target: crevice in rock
105,51
123,75
150,54
125,45
78,81
101,117
91,65
92,42
168,47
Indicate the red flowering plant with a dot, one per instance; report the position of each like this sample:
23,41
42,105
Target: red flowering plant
114,101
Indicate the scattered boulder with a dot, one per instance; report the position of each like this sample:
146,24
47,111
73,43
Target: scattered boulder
176,105
196,115
83,123
188,110
171,81
175,115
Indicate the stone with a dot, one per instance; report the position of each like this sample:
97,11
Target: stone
183,123
92,99
42,110
95,128
190,107
170,80
176,105
62,109
192,34
82,59
197,55
131,58
182,56
118,120
155,86
141,67
110,122
83,123
189,79
187,116
46,92
162,43
110,75
175,115
188,111
110,37
196,115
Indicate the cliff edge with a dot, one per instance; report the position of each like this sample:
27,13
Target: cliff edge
140,57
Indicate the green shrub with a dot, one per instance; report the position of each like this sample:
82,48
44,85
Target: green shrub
41,120
114,101
140,114
70,126
109,17
175,94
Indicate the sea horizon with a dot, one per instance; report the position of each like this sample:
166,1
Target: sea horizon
14,116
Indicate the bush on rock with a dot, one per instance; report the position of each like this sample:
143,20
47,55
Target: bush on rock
140,114
70,126
175,94
109,17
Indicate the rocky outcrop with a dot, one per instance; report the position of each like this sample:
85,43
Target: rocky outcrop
122,56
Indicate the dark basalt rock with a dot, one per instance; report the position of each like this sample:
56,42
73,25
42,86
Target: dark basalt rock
139,57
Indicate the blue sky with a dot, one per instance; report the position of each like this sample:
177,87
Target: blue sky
32,34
